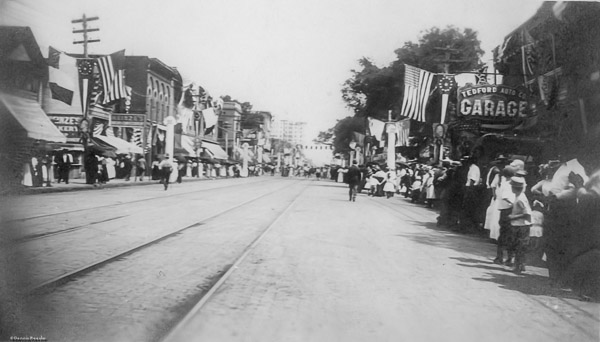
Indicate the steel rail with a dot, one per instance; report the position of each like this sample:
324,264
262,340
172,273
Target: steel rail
66,277
170,335
120,203
36,236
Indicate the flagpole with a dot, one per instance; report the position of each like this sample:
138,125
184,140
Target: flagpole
391,152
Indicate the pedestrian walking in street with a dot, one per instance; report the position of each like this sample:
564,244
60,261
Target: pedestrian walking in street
165,167
520,222
353,175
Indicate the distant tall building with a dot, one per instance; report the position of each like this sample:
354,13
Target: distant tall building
291,131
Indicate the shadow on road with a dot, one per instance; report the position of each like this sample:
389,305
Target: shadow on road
449,240
529,284
483,253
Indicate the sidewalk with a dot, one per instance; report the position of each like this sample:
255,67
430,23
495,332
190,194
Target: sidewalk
79,184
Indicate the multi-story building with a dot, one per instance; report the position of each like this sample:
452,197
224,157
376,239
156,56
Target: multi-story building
291,131
155,92
228,129
25,129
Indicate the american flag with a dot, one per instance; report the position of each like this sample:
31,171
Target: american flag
416,92
111,70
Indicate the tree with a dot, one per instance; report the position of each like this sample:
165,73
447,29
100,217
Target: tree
449,50
343,132
373,91
325,136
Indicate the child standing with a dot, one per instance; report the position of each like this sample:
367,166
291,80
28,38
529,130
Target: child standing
537,229
520,222
389,187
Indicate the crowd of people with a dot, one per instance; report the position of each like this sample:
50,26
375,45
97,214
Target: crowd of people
546,214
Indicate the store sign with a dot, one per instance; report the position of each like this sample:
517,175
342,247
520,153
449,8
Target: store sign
128,120
68,125
492,102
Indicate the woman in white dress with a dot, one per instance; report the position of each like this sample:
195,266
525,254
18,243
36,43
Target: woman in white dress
430,188
500,185
340,175
390,184
110,168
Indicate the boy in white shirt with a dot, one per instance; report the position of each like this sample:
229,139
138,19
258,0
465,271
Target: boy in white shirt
520,222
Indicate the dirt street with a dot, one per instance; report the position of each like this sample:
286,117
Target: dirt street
380,270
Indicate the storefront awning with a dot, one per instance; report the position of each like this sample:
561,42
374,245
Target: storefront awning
29,114
101,148
120,145
215,150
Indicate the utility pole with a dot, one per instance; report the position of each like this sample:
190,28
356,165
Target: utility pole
85,30
84,123
447,60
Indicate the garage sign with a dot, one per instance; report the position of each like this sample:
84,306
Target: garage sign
492,103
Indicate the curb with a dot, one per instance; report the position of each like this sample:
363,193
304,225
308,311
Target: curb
85,187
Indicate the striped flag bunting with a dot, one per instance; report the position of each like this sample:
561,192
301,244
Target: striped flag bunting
136,138
112,74
86,71
98,129
417,83
110,132
96,92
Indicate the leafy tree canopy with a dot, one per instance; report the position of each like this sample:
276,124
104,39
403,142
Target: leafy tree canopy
373,91
324,136
343,132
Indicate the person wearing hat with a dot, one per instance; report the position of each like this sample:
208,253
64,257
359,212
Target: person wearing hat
496,220
354,175
470,215
497,165
520,222
165,167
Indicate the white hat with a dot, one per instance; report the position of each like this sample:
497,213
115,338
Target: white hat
517,182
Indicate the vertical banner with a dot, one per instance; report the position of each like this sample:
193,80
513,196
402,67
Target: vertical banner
86,74
445,84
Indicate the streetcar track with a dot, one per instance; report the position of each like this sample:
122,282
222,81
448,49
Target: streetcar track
218,280
123,203
31,237
55,282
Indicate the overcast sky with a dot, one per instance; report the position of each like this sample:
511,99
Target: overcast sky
289,57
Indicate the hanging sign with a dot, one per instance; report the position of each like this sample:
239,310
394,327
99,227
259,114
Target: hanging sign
68,125
492,103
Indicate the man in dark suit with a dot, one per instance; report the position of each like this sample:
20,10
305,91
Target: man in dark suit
64,166
353,176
